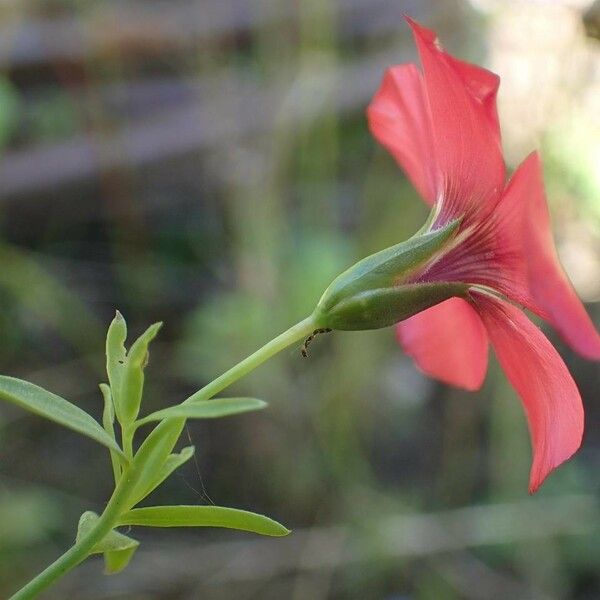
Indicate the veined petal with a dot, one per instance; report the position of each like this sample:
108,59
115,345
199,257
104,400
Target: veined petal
550,397
399,119
552,295
447,342
483,85
464,124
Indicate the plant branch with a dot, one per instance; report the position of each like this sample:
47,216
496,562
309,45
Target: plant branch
118,502
282,341
82,549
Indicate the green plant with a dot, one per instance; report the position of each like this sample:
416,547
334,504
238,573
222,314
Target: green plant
138,470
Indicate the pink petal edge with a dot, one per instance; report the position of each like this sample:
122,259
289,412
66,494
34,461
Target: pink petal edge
549,395
399,120
552,294
464,124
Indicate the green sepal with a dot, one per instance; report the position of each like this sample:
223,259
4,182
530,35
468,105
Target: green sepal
384,307
117,548
203,516
132,382
375,291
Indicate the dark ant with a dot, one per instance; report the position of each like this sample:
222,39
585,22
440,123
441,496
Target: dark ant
310,338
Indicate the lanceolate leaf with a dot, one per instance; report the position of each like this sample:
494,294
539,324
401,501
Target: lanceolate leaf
108,419
53,407
132,382
173,462
207,409
203,516
115,357
118,549
153,454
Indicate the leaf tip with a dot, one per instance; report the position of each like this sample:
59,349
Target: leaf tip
156,327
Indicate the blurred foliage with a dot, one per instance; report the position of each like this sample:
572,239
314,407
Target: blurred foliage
9,110
208,164
572,155
55,116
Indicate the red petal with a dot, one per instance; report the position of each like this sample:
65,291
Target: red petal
399,120
483,85
447,342
550,397
552,294
466,135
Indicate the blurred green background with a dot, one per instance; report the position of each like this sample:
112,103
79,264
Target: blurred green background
208,164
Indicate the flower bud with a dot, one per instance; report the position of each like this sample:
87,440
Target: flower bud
377,291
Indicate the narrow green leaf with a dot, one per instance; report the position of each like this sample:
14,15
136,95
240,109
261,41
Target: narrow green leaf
108,413
153,454
173,462
207,409
108,420
46,404
203,516
118,549
132,383
115,358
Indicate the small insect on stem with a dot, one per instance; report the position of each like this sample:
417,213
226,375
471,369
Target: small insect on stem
310,338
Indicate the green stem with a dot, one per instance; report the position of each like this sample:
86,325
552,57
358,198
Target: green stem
282,341
82,549
127,440
118,502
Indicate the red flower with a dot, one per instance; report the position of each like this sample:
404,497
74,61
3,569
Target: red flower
442,127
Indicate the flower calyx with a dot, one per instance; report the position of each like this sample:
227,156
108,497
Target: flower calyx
383,288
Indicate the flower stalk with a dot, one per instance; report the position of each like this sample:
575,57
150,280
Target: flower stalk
292,335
